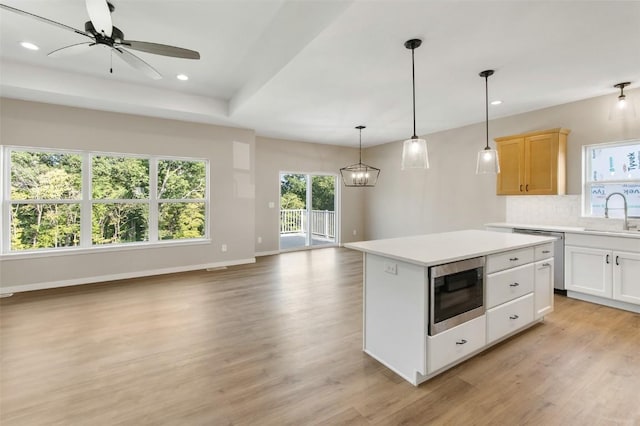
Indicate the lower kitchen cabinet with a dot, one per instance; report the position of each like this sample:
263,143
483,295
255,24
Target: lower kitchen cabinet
588,270
543,288
605,267
626,276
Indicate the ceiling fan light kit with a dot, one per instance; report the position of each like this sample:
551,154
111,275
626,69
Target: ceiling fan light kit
100,30
414,149
360,174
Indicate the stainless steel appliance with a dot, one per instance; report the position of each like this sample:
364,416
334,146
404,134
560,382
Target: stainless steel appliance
456,293
558,255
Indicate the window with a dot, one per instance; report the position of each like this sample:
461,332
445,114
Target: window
56,199
181,199
45,200
119,199
609,168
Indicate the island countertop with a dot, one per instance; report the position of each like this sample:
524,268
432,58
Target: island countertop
436,249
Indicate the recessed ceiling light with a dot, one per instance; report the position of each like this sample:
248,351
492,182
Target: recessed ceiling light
182,77
29,46
496,102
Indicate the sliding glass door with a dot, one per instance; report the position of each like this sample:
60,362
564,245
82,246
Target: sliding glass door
308,216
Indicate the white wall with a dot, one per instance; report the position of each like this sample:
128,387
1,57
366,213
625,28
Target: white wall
276,155
231,191
450,195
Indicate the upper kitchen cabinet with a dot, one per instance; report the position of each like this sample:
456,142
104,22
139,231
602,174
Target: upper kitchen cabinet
533,163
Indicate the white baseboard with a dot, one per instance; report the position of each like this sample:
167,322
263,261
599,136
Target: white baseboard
604,301
267,253
123,276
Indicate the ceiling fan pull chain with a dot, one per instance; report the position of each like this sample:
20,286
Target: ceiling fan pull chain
111,64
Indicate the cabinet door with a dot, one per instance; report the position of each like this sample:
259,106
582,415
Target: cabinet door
626,276
510,180
543,282
541,164
589,270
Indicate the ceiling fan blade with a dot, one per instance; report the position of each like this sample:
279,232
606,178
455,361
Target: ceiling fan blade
74,49
45,20
100,16
161,49
137,63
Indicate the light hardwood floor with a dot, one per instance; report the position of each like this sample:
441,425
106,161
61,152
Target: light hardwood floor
280,342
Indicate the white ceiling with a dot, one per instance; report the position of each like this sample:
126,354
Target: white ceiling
313,70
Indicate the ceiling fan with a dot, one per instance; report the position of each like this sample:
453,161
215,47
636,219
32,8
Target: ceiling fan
101,31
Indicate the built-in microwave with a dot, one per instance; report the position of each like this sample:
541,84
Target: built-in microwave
456,293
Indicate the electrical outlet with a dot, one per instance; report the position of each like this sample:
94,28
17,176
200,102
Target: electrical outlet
224,247
391,268
272,204
259,240
355,232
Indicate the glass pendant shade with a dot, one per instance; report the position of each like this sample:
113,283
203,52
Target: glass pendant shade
488,162
623,108
360,174
414,154
414,150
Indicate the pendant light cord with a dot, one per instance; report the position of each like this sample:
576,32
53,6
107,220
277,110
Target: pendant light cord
360,162
486,106
413,78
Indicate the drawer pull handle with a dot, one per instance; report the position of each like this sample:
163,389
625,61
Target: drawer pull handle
461,342
546,264
546,251
514,317
617,260
513,259
514,285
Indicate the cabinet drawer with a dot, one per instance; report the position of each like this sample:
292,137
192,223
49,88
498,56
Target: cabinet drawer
509,317
509,284
458,342
544,251
509,259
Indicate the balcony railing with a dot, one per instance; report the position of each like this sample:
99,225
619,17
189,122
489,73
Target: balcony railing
294,221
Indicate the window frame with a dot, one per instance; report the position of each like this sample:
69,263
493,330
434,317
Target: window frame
588,183
86,203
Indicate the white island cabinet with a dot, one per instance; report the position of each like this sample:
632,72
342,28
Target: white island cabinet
518,293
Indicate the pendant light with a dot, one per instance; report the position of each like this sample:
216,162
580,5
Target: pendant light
623,108
487,158
414,150
360,174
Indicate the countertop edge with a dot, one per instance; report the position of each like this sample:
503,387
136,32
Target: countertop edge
362,247
565,229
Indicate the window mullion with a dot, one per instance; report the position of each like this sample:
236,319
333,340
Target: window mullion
5,216
85,203
153,200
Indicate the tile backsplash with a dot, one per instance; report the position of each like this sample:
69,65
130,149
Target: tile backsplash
561,210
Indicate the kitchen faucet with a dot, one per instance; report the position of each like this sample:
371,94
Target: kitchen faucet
626,217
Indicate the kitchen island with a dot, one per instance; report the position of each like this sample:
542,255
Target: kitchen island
398,296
